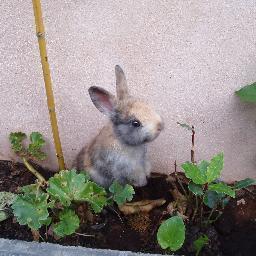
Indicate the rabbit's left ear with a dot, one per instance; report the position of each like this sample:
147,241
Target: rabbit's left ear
121,84
103,100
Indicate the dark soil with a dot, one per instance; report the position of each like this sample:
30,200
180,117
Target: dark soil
233,234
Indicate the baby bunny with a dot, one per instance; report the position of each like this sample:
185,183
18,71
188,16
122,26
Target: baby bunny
118,152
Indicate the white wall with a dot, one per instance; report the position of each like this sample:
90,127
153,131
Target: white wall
185,57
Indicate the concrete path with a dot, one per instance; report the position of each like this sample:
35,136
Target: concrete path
21,248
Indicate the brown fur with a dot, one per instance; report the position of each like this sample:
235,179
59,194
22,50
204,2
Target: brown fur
118,152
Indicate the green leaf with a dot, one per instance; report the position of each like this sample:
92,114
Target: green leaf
16,139
203,165
6,199
224,202
200,243
244,183
36,138
212,199
214,168
205,172
94,194
66,186
31,189
198,176
31,210
121,194
68,224
4,215
171,233
46,222
195,188
185,126
222,188
36,145
247,93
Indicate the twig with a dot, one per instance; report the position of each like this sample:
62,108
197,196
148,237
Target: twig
40,178
118,215
85,235
193,145
175,167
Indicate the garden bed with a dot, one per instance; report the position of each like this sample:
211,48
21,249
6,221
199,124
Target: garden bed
233,234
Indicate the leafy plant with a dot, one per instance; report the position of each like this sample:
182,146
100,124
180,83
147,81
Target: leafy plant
205,186
53,202
204,190
204,182
247,93
200,242
36,204
34,149
171,233
32,152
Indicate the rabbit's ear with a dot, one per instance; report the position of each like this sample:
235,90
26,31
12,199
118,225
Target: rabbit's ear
121,84
103,100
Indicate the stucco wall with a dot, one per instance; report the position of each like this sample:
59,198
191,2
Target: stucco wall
185,57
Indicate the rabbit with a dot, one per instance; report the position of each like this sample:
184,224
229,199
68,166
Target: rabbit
118,152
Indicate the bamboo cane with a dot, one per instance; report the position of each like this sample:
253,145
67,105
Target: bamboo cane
40,32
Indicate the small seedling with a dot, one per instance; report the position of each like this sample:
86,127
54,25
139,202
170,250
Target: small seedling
200,242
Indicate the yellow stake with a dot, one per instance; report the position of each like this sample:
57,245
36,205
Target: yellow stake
47,80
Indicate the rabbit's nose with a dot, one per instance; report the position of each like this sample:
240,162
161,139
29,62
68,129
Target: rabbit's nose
160,126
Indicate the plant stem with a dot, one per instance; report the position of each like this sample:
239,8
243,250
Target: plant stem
219,214
40,178
193,145
196,209
209,217
182,187
201,212
175,167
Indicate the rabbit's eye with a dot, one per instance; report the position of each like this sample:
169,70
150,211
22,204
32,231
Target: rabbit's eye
136,123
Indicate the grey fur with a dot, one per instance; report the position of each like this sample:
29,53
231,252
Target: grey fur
118,152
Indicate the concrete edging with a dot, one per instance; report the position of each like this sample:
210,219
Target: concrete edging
22,248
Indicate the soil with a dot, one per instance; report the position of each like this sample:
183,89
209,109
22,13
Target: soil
233,234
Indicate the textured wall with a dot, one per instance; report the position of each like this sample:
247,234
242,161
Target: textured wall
185,57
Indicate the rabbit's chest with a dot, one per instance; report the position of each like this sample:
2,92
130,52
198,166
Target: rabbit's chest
131,157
